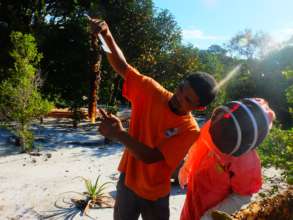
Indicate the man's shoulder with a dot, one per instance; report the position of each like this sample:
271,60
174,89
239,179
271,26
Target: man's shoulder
132,72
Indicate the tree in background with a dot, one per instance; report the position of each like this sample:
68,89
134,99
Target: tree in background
20,100
170,68
66,66
151,41
264,63
241,85
24,16
272,84
145,36
249,45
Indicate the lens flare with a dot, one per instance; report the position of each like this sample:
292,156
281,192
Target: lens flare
229,76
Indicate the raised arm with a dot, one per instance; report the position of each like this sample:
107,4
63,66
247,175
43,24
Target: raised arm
116,57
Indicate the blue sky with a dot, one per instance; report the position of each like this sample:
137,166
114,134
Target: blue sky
207,22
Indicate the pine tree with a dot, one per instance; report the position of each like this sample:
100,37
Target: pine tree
20,100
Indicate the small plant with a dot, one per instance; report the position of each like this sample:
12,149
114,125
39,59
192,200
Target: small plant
95,196
95,191
77,116
75,106
79,203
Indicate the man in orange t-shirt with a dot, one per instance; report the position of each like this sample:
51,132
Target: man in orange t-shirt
161,131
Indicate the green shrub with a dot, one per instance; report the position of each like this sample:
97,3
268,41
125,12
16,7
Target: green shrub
277,150
289,91
20,100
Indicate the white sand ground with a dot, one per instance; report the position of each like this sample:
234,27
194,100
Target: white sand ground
32,186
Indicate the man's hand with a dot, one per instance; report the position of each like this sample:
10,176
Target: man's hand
114,53
98,26
110,126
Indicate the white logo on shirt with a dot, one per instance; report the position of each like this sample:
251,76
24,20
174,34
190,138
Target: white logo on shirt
171,132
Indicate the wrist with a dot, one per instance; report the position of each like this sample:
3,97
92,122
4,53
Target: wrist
106,34
120,136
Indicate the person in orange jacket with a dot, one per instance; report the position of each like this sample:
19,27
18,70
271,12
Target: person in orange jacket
223,170
160,133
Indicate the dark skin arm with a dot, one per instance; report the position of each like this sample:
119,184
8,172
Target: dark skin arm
116,57
111,127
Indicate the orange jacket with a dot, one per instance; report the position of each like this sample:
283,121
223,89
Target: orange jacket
212,176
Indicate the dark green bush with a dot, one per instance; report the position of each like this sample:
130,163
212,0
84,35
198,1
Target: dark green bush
277,150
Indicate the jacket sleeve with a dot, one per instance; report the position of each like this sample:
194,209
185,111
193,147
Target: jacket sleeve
246,174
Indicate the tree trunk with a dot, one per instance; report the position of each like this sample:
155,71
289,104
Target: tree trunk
95,77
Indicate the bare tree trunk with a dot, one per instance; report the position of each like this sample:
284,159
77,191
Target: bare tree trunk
95,77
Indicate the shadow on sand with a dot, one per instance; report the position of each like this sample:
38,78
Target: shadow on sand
56,134
66,208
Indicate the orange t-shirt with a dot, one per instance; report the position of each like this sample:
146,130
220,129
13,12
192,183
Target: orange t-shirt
154,124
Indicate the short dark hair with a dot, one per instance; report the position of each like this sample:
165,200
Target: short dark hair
204,86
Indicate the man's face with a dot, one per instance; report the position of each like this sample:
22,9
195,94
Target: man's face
184,99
